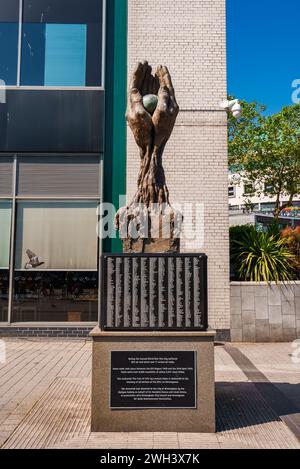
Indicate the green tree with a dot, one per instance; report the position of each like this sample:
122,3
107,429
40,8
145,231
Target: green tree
266,150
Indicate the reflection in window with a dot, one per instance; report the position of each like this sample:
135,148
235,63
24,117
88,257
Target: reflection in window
56,235
9,33
54,55
9,53
62,43
4,281
65,54
5,224
55,296
267,207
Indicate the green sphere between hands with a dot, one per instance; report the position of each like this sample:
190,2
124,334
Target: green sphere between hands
150,102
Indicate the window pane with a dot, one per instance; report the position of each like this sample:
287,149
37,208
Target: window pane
9,33
65,54
55,296
267,206
6,173
4,295
62,43
33,55
5,222
9,11
63,11
59,235
9,52
231,191
58,175
269,188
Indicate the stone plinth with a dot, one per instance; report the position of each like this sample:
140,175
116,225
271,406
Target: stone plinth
199,419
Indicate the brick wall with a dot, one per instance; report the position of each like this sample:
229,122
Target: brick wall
189,37
51,332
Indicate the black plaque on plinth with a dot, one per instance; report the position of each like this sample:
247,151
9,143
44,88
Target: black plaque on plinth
154,292
153,380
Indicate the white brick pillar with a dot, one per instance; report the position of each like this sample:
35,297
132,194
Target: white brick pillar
189,36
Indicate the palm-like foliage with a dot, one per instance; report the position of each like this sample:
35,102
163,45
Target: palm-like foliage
260,256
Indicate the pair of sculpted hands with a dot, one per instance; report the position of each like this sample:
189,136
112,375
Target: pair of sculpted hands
151,133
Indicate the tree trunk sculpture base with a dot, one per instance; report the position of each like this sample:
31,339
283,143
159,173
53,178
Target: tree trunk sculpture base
151,245
143,230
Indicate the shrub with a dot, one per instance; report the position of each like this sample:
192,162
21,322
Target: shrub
236,233
259,256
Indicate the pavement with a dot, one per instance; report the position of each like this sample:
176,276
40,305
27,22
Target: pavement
45,399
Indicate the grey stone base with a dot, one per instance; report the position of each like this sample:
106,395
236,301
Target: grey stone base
13,331
197,420
262,312
223,335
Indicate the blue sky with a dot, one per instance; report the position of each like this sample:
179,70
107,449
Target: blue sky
263,50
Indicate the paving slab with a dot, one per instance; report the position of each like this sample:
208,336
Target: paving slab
45,399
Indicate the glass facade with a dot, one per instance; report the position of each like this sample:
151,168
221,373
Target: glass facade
51,146
61,42
48,226
9,33
55,297
61,234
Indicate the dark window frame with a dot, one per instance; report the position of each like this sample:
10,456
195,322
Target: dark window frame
233,191
249,189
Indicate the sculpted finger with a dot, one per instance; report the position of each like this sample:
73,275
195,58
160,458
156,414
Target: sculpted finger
167,78
138,76
146,86
159,75
163,92
163,99
135,77
135,99
168,83
161,114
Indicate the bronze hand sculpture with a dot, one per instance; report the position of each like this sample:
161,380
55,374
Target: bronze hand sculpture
151,131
